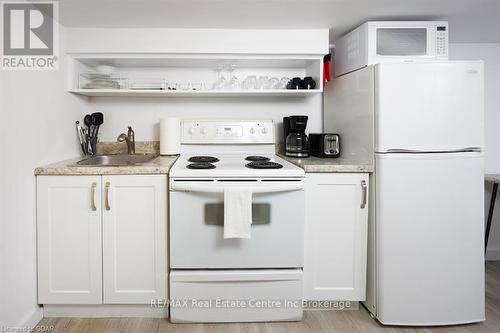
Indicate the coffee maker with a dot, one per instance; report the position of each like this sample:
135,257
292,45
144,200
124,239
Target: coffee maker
296,142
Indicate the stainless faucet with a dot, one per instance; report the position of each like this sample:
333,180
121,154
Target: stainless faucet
130,139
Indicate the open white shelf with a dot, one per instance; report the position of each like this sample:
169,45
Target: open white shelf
195,69
191,93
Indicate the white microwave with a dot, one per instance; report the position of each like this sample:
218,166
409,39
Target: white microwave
391,41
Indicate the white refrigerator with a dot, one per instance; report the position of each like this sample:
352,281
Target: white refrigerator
422,126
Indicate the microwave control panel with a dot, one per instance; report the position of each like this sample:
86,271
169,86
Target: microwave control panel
441,41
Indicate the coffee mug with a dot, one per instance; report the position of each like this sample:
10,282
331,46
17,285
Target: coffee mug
309,83
295,83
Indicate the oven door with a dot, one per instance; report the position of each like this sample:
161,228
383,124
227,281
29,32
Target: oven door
197,225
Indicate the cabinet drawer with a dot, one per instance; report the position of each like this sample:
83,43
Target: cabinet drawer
200,295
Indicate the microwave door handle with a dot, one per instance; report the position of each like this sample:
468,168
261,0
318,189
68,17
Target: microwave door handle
219,188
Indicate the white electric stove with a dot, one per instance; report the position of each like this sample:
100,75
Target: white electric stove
257,279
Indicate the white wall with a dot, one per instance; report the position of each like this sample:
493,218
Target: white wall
208,41
37,127
490,53
144,114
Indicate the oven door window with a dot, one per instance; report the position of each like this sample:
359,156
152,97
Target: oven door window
214,214
402,41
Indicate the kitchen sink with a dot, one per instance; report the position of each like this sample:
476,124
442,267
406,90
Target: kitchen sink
116,160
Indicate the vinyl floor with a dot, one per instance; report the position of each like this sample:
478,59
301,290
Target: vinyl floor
314,321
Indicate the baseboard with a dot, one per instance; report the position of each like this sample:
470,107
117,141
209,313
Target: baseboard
32,319
102,311
493,254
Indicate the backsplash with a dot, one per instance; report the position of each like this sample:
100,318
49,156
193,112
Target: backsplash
146,147
141,147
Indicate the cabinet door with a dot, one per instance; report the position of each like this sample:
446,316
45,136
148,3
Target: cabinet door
134,238
69,239
336,236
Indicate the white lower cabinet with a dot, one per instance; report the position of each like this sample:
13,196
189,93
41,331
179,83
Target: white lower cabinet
102,240
69,240
134,235
336,223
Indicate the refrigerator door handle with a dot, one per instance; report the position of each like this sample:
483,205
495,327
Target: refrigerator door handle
410,151
364,194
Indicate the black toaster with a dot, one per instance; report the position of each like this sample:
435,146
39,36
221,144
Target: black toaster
324,144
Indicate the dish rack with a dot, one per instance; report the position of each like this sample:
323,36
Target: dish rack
93,80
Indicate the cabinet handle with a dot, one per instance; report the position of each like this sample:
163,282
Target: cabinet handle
363,194
106,194
92,197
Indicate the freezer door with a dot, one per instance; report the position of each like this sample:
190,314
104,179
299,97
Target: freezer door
429,238
429,106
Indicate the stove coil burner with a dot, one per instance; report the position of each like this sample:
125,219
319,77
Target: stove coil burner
203,159
264,165
257,158
202,166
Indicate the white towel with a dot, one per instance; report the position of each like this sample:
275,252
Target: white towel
237,213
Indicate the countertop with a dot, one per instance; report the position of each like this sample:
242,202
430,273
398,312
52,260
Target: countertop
158,165
162,165
329,165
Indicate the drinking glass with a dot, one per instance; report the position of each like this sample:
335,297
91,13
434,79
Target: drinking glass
283,82
261,82
249,83
233,83
183,86
272,83
221,80
198,86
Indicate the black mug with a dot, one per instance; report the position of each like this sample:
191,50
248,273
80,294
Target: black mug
309,83
295,83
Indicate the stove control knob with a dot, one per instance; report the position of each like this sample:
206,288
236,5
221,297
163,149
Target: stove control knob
252,130
204,131
191,130
264,130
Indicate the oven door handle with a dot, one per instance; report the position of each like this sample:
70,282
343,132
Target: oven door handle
219,188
